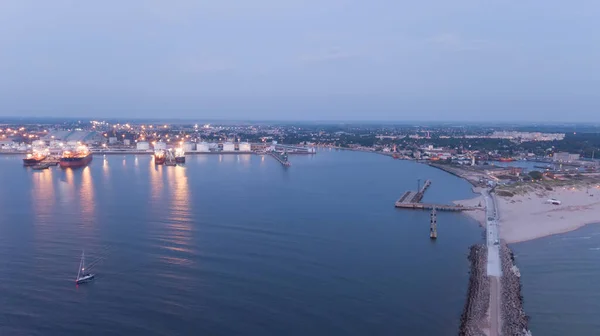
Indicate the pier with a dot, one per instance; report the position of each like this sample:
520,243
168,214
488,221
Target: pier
281,157
412,200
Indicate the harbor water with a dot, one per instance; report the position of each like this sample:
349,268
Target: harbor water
231,245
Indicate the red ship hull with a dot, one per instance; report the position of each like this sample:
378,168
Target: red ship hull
159,160
75,162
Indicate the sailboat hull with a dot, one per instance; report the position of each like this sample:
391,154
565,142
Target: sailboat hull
85,278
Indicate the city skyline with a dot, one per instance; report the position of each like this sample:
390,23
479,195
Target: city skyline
298,60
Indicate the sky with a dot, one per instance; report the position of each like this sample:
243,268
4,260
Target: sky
472,60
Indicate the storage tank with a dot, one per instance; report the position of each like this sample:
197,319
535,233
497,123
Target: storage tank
244,147
112,140
228,147
160,145
143,145
202,147
188,147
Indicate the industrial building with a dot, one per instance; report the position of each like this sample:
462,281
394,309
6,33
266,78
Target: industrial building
142,145
244,147
202,147
228,147
565,157
75,137
160,145
188,147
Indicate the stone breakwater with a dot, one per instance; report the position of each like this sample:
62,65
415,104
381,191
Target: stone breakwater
474,317
514,320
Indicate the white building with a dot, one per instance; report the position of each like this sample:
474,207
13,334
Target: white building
202,147
126,142
228,147
160,145
188,147
245,147
143,145
565,157
112,140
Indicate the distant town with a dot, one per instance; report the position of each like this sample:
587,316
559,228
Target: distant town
566,149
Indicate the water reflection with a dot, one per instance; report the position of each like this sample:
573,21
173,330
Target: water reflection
156,182
179,227
88,204
42,194
66,188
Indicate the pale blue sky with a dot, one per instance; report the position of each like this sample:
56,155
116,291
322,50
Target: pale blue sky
294,59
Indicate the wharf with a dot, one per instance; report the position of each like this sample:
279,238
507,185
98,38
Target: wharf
430,206
412,200
282,158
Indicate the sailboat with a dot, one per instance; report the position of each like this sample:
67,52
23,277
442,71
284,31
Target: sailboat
82,275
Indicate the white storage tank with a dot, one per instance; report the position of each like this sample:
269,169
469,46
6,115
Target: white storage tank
228,147
188,147
202,147
244,147
160,145
143,145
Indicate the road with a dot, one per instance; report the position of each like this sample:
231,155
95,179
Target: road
494,269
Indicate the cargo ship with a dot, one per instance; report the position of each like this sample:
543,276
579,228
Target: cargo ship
179,155
506,159
159,157
81,157
34,158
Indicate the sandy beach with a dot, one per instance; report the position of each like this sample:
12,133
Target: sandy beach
529,216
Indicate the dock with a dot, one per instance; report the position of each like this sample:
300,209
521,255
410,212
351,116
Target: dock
281,157
412,200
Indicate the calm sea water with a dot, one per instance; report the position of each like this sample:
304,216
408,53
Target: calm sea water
561,282
231,245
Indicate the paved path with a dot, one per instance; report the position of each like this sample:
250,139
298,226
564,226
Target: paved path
494,269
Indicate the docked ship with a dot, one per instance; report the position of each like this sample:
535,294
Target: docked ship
179,155
159,157
506,159
34,158
81,157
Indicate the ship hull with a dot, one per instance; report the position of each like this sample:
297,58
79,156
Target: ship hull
159,160
75,162
180,159
31,162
